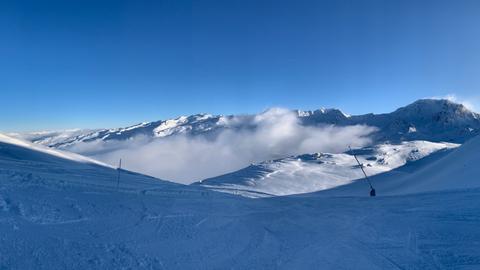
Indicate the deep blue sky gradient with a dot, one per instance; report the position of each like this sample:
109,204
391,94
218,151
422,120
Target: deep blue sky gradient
94,63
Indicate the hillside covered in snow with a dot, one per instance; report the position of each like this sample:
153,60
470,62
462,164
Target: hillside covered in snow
38,165
320,171
60,212
445,170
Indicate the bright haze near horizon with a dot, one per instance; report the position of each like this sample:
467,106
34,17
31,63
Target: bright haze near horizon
93,64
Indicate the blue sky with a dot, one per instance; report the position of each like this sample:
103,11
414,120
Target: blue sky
86,63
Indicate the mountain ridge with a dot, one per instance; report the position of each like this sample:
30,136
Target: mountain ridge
425,119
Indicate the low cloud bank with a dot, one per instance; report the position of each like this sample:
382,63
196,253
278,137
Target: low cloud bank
184,159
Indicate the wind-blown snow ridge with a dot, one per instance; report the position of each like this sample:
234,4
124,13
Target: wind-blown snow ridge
50,151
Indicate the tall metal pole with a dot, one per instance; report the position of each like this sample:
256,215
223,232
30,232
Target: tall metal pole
361,167
118,175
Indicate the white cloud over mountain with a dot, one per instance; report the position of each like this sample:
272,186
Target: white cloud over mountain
184,159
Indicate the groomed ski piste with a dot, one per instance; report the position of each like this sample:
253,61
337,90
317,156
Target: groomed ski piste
63,211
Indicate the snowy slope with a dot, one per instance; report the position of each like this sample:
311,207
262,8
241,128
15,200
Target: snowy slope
445,170
426,119
458,170
58,213
20,159
320,171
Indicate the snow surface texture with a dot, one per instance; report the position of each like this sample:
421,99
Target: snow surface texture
58,213
320,171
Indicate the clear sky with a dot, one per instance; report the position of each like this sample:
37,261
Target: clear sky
94,63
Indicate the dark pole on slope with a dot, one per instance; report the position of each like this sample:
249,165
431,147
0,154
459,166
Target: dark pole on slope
372,190
118,175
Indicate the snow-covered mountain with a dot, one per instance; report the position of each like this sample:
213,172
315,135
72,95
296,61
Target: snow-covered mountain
427,119
59,211
191,125
319,171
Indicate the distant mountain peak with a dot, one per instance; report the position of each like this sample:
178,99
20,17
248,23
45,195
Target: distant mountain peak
322,111
437,105
438,111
